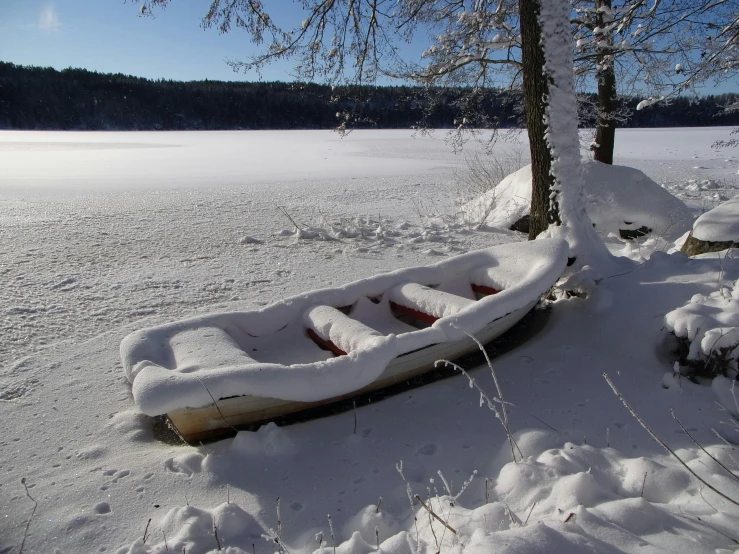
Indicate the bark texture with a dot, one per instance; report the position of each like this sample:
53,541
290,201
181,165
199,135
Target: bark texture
605,127
536,89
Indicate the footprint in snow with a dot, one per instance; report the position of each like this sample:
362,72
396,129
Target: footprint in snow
432,252
102,508
91,452
116,474
428,450
66,284
250,240
186,464
17,388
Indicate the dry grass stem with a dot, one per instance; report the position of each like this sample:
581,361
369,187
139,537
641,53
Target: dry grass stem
146,530
699,445
497,387
35,505
433,514
663,443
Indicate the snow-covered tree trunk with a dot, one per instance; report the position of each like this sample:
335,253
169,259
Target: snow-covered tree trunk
566,211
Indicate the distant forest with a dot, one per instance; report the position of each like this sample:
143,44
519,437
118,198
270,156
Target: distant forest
77,99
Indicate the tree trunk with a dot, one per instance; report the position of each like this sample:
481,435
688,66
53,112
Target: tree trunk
535,90
605,127
549,81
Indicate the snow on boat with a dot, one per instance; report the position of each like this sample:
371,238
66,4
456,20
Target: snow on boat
220,371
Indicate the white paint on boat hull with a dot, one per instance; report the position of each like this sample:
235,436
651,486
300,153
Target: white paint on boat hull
194,424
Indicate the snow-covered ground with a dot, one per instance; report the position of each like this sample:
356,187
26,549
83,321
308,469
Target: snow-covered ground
103,233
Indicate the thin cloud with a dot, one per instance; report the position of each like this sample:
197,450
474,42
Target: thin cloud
48,19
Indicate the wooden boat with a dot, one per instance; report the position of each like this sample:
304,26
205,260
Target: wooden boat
215,373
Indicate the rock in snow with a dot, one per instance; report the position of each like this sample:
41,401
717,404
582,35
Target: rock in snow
619,199
715,230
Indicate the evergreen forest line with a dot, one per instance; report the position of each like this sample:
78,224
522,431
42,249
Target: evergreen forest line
35,98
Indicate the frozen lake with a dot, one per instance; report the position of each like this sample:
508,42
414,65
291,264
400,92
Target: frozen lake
101,162
152,160
94,223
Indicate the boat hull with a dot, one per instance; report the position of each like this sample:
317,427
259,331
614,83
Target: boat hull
230,414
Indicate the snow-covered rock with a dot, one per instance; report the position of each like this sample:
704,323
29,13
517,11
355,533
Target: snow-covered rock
719,224
617,198
715,230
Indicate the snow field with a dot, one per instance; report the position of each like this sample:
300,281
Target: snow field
83,261
599,476
79,161
77,257
573,498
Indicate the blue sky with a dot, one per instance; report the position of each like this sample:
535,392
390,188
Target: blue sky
110,36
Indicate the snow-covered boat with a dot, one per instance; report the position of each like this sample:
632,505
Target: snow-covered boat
220,371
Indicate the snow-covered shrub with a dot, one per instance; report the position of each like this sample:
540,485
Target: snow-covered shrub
708,328
618,200
480,177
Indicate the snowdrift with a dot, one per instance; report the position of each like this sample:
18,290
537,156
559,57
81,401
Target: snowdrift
617,198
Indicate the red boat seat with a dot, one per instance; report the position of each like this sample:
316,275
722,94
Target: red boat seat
425,303
336,331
